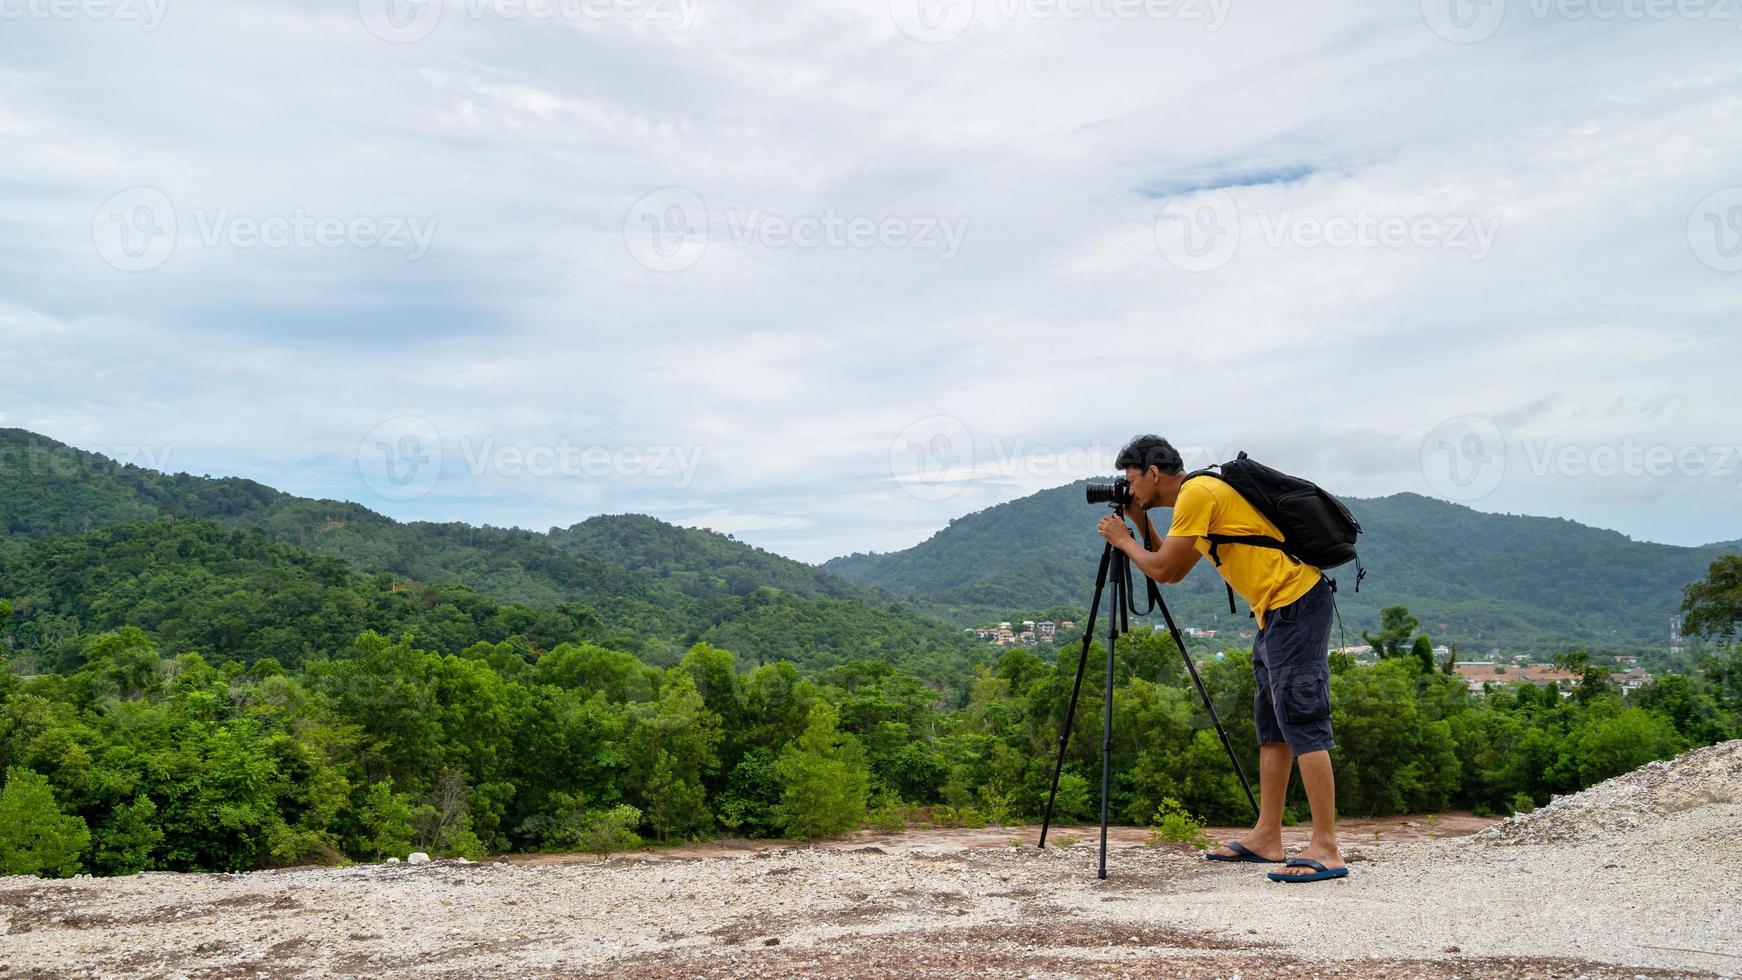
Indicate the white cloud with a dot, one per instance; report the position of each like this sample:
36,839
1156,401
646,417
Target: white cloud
790,372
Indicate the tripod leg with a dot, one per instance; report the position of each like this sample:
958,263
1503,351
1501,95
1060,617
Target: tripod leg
1221,732
1076,689
1116,617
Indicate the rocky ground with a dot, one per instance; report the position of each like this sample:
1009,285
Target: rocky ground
1580,892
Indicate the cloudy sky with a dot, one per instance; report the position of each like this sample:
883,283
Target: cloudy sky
828,274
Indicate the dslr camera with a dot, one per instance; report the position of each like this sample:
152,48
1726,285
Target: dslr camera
1116,495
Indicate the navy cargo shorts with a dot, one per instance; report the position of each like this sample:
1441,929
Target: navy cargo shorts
1293,670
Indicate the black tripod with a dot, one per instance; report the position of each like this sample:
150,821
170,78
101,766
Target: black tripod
1118,566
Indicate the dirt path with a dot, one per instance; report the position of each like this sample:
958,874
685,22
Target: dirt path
1357,832
926,904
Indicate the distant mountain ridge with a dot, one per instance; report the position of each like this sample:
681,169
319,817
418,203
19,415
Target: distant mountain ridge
1529,583
650,587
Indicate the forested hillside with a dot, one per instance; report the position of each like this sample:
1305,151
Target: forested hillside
699,562
1520,583
86,547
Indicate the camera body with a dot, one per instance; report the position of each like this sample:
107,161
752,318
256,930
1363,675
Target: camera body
1116,495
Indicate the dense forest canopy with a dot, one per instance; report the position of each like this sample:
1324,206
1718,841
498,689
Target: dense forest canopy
383,746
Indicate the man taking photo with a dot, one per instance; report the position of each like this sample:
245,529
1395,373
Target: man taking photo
1291,603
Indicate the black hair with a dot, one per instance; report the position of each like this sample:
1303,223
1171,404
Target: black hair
1150,450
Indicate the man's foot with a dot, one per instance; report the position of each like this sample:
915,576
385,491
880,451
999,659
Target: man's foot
1258,847
1326,854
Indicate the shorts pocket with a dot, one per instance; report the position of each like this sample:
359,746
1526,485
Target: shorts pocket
1306,698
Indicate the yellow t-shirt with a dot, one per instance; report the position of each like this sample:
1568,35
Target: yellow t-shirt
1265,577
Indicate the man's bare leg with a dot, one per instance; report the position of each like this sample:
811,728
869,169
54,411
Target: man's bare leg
1321,790
1265,840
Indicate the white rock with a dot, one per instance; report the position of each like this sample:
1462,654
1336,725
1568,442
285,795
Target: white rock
392,860
417,857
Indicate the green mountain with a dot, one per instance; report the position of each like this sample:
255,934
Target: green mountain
1482,580
241,596
634,582
699,562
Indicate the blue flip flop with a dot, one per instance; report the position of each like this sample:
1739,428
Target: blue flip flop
1241,853
1320,872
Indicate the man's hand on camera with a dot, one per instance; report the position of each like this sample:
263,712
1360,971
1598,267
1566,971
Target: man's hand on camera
1114,530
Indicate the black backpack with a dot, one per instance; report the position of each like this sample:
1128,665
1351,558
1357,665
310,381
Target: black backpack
1317,529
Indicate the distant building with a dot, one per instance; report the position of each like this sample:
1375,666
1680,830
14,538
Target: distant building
1476,673
1046,628
1631,680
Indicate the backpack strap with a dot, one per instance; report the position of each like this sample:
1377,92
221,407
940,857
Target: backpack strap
1255,540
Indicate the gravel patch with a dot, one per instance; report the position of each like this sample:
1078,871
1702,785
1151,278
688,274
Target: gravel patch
1566,896
1630,802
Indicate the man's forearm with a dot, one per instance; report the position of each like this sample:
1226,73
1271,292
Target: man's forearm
1145,530
1150,563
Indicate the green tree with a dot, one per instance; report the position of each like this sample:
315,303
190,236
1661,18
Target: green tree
1396,626
1423,651
823,777
385,817
609,830
1610,743
36,838
128,842
673,747
1712,608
